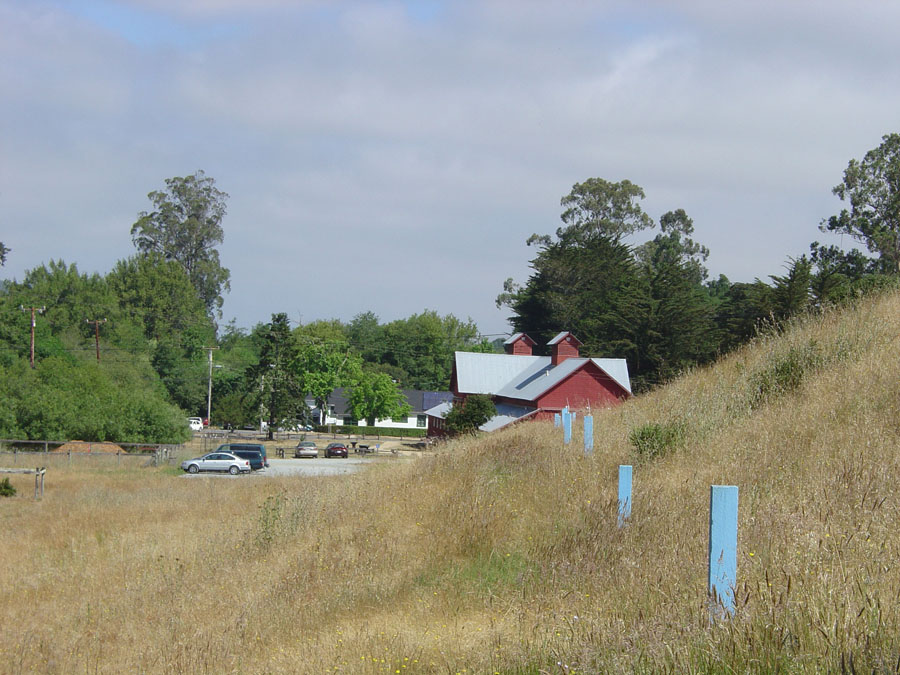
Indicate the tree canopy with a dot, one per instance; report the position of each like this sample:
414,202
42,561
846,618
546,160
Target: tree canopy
281,394
465,417
872,186
185,225
375,396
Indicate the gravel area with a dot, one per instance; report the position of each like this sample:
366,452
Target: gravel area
312,467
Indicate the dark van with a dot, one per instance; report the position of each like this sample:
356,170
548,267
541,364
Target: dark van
257,449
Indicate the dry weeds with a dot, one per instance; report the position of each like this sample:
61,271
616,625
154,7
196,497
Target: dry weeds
501,554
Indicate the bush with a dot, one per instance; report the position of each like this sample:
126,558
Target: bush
6,488
656,440
465,417
785,373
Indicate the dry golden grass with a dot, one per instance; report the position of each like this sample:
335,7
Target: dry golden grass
501,554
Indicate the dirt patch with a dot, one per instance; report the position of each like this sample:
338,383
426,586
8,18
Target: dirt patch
84,446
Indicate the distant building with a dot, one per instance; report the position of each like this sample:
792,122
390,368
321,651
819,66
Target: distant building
524,386
339,409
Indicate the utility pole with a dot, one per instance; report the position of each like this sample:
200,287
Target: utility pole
96,323
39,310
209,391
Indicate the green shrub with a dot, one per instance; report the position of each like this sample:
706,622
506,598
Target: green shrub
6,488
656,440
785,373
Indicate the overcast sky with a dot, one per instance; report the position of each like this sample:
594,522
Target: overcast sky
394,156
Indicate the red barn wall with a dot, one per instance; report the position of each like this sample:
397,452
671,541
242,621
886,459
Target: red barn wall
587,386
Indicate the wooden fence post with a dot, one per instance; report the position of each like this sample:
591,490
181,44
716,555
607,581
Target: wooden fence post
624,494
588,435
723,517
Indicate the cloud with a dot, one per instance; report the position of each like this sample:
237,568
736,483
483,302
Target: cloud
393,156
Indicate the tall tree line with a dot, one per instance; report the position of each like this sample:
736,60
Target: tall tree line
653,304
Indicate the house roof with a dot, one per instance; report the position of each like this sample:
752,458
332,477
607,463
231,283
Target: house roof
418,400
506,414
525,377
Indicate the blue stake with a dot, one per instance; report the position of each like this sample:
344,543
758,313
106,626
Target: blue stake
567,427
723,517
588,435
557,419
624,493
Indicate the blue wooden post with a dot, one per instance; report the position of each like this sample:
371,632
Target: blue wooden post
567,427
624,493
588,435
557,419
723,517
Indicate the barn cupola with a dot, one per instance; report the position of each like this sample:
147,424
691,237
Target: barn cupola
563,346
519,345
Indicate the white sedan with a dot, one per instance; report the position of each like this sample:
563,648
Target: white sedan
217,461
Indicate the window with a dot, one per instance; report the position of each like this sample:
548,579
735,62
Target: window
399,420
421,421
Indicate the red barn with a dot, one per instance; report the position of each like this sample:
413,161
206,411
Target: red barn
526,386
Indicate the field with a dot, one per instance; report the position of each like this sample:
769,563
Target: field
502,554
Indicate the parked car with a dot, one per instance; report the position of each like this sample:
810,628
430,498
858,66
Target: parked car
254,456
336,450
258,447
306,449
195,423
217,461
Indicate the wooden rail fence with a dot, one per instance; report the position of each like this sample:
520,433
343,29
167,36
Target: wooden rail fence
39,474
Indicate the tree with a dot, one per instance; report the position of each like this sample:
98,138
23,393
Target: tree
681,327
158,293
647,305
376,396
280,394
322,366
422,346
3,252
598,206
465,417
593,288
366,336
791,292
185,226
674,245
872,187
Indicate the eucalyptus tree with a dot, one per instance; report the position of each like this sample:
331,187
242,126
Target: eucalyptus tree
186,225
872,187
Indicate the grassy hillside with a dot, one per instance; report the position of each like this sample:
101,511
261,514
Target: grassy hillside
502,554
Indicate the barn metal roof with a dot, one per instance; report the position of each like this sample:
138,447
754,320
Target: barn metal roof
489,373
525,377
559,336
506,414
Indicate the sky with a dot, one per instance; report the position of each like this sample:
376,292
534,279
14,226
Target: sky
394,156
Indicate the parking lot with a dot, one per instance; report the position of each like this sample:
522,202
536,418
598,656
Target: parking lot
313,467
302,467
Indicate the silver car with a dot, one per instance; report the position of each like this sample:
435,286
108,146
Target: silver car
306,449
217,461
